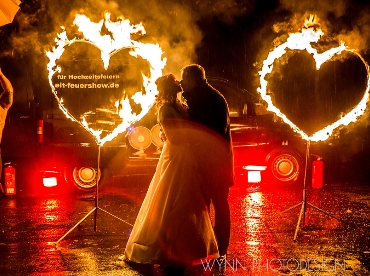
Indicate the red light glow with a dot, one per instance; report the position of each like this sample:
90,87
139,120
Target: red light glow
50,181
254,176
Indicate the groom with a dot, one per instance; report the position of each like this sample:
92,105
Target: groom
209,114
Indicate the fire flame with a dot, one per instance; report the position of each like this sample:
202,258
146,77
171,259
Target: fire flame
120,38
302,41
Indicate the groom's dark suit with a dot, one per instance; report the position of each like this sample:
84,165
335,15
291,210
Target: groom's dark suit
208,110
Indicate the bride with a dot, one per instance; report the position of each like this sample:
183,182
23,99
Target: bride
173,227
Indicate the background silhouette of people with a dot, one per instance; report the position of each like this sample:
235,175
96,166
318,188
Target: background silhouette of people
6,101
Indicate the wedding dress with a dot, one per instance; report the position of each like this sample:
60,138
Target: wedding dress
173,225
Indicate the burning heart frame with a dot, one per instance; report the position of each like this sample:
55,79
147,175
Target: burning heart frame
302,41
120,38
110,44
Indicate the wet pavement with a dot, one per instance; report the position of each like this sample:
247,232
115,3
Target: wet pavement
333,241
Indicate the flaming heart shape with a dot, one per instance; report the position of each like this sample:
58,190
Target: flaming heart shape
119,38
302,41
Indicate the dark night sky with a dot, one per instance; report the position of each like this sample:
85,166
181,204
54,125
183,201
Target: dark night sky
230,38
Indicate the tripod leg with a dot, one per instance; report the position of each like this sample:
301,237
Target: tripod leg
77,224
299,220
317,208
95,218
115,216
304,216
328,214
290,208
97,193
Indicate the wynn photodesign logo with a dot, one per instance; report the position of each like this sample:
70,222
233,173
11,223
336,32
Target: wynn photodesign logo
275,265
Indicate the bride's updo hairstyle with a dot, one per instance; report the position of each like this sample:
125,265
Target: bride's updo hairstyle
168,87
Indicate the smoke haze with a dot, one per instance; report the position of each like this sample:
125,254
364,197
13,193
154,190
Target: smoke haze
176,25
346,21
171,24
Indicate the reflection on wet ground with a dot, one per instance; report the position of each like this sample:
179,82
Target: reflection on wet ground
263,227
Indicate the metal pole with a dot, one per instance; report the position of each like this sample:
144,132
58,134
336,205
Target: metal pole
301,217
305,180
97,192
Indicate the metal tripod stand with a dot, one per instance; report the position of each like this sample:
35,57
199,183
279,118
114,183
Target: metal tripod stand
95,209
304,202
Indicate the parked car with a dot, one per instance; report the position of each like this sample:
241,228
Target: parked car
43,144
262,143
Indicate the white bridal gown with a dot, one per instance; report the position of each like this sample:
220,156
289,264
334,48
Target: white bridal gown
173,225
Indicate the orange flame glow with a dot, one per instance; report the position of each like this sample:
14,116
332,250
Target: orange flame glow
302,41
120,38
